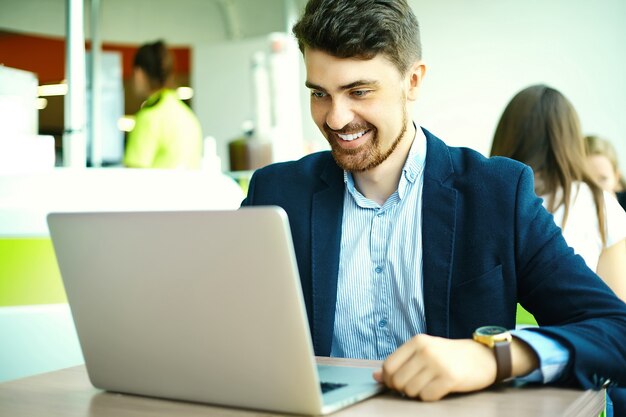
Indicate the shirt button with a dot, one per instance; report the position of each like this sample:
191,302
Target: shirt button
380,214
379,269
382,323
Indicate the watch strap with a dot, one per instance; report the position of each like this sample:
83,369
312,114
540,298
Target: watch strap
503,360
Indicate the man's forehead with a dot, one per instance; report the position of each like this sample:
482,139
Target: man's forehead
328,71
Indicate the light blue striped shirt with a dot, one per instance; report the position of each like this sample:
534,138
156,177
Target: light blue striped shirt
380,299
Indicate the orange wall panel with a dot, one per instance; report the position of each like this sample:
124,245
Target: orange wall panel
45,56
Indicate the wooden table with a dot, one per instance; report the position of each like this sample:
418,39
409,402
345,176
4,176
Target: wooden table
68,393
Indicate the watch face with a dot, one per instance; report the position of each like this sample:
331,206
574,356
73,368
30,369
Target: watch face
490,330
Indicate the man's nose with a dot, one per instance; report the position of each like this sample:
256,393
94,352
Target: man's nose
339,115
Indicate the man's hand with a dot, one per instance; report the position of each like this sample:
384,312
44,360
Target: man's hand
429,367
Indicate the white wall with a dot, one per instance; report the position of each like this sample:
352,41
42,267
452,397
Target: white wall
224,71
224,98
480,53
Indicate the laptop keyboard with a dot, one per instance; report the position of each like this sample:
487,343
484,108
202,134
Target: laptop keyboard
329,386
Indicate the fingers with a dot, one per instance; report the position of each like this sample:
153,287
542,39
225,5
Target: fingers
435,389
406,369
415,380
397,360
412,367
416,385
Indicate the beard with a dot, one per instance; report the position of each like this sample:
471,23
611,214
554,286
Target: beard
367,156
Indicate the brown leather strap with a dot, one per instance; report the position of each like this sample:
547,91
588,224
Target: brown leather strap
503,360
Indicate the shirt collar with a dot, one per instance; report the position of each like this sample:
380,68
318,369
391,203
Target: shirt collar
416,159
155,97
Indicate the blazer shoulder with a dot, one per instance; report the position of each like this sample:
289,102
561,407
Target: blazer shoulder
284,180
467,159
463,164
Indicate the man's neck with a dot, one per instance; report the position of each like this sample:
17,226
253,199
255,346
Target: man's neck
378,183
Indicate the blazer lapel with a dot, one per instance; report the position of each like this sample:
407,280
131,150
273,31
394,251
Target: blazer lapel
327,213
438,233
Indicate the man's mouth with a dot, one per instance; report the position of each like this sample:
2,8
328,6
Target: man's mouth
352,136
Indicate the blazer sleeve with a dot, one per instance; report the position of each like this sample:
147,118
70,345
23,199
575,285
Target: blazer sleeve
570,302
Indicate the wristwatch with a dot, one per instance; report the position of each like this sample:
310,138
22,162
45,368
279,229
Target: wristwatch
499,339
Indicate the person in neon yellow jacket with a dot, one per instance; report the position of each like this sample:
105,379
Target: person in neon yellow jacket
167,133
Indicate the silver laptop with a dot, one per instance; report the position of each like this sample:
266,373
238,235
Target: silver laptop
202,306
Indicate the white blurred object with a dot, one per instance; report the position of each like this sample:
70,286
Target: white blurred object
37,339
210,160
184,93
126,123
75,103
27,153
105,140
26,198
48,90
42,103
287,137
18,103
21,149
262,98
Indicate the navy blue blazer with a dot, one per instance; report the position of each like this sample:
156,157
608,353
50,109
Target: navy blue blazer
487,244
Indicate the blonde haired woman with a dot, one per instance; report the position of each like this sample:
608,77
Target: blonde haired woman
602,160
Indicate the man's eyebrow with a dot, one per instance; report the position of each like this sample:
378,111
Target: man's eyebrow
313,86
358,83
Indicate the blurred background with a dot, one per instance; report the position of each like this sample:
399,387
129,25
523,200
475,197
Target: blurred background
236,66
478,54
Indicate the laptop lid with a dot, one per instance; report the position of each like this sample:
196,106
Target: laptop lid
202,306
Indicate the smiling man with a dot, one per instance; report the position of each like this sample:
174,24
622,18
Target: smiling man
416,253
361,106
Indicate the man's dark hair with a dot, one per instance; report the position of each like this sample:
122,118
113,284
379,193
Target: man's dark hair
361,29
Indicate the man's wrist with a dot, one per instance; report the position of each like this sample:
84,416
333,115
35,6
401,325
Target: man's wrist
524,358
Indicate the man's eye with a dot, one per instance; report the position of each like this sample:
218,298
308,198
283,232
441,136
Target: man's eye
360,93
318,94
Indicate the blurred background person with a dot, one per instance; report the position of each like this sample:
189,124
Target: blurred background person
167,133
604,167
540,128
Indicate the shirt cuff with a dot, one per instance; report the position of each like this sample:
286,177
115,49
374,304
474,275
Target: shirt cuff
553,357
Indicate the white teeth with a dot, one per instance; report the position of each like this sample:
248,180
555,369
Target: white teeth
353,136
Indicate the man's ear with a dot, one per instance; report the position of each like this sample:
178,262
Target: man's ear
415,75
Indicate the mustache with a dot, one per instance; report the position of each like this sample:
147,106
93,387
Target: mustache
349,129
